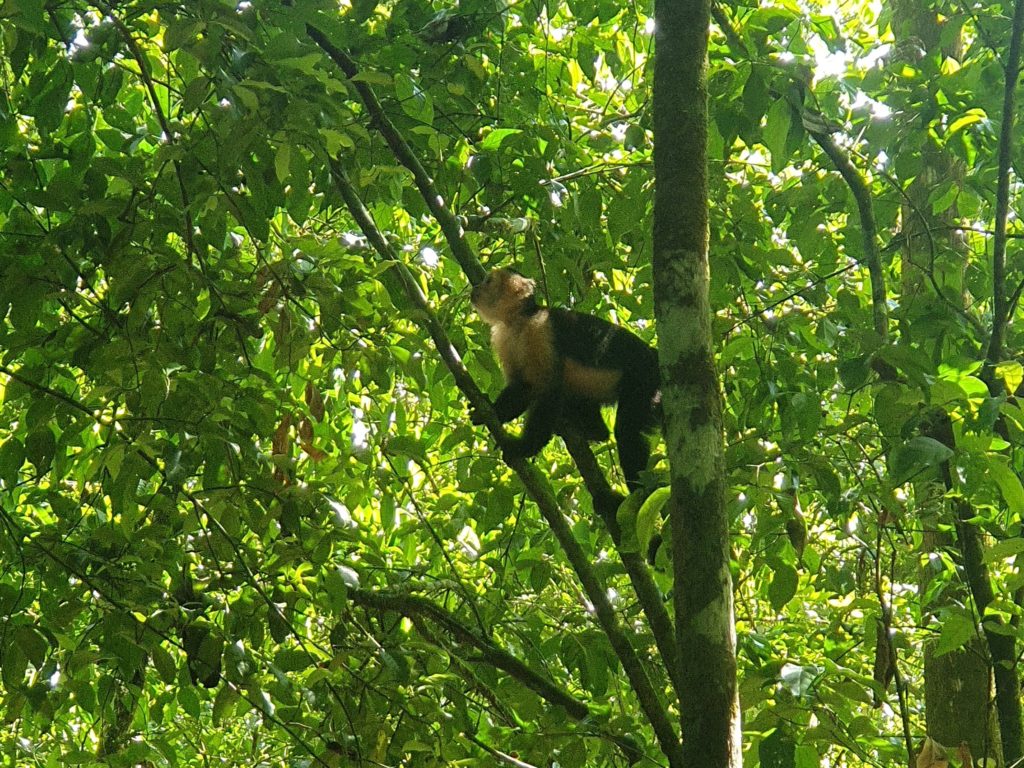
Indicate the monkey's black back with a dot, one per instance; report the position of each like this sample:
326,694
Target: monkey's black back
597,343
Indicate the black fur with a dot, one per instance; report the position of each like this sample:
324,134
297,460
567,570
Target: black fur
597,344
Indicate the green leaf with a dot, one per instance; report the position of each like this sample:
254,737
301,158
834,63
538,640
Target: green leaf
164,664
189,700
776,132
626,517
777,750
589,205
1011,373
180,33
1009,484
894,405
912,458
802,416
26,306
807,757
596,669
12,457
624,217
32,644
196,93
78,757
40,448
494,139
854,372
957,630
783,585
293,660
372,77
943,197
649,515
305,64
282,162
415,102
799,679
970,117
29,15
52,98
224,702
1003,550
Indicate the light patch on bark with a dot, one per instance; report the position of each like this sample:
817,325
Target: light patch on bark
675,324
695,450
709,622
684,317
686,271
684,341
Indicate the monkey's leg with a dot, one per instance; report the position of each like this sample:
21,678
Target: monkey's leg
583,417
541,420
634,450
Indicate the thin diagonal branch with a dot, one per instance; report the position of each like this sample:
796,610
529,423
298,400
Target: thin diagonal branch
606,504
449,223
869,232
536,485
165,126
491,652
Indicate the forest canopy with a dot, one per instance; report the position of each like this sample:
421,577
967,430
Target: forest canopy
245,515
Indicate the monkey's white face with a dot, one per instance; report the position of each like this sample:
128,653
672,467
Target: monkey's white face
499,298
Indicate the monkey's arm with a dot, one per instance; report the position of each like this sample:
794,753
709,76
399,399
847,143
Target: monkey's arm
544,413
512,402
541,420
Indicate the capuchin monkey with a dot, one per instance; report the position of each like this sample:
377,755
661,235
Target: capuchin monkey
561,366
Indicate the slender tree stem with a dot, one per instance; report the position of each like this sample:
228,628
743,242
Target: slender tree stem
869,232
450,225
1000,299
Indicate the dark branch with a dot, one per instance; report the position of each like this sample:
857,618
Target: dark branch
862,195
492,653
536,485
606,504
450,225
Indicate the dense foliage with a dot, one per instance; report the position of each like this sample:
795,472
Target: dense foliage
245,517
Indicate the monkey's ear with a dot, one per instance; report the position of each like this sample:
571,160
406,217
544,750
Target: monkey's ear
524,281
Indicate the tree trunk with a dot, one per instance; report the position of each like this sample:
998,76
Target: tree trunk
958,700
705,628
957,685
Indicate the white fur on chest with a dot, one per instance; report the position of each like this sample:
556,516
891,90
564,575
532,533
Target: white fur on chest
525,349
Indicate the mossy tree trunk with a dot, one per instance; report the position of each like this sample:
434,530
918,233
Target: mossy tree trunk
691,395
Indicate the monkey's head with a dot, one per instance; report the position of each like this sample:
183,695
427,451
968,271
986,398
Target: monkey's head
502,295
